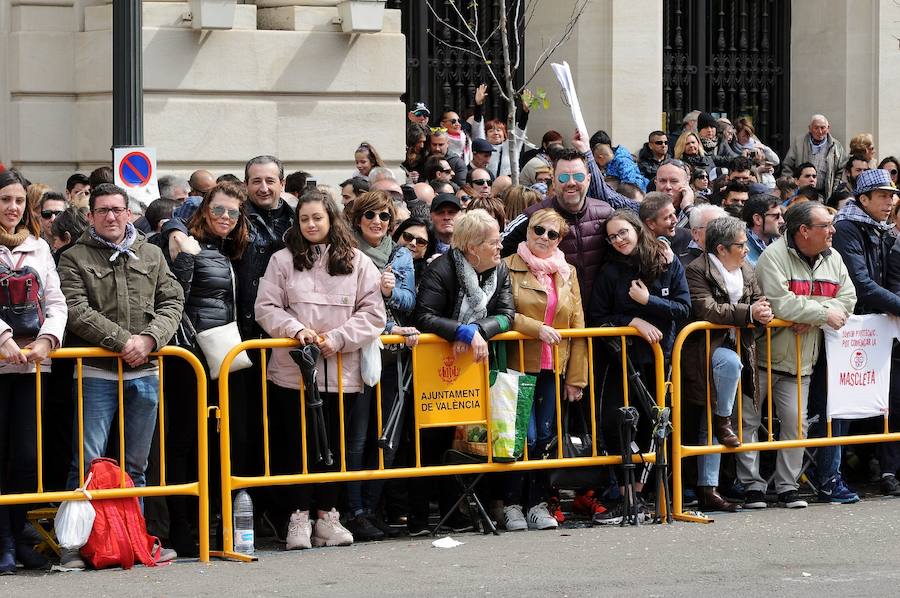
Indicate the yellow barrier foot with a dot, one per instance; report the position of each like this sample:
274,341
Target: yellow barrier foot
693,517
233,556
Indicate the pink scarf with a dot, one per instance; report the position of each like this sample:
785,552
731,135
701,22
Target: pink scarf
544,268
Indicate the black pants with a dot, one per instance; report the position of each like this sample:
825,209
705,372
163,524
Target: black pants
18,445
285,449
889,452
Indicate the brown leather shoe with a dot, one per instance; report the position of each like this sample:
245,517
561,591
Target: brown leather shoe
710,500
724,433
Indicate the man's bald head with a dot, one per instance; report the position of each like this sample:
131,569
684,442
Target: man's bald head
201,181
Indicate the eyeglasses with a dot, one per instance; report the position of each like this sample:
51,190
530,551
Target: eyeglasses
661,142
480,182
383,216
539,230
411,238
102,212
775,215
825,225
565,177
619,236
48,214
742,244
219,211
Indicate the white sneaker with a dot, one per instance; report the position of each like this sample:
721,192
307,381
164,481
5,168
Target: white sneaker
515,520
299,531
539,517
330,532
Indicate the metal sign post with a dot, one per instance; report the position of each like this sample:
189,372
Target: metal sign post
128,90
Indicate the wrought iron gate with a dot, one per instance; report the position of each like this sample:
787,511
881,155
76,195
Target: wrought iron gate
443,77
730,57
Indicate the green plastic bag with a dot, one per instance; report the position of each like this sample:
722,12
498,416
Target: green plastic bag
512,395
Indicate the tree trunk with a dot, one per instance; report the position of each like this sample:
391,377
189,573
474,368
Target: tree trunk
513,142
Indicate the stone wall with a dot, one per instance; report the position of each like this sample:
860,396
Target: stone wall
284,81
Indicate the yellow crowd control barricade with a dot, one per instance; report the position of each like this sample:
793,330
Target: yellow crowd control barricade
451,371
680,451
200,488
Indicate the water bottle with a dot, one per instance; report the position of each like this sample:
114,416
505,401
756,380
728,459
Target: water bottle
243,523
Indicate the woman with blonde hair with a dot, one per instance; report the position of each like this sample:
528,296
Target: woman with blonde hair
689,149
518,199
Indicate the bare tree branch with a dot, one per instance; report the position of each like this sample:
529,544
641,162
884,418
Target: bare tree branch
548,52
449,45
443,22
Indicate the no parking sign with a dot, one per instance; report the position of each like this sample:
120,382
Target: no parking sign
135,171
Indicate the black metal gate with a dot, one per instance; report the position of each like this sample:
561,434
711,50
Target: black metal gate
730,58
443,77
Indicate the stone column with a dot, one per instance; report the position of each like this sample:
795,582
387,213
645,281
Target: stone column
845,64
615,53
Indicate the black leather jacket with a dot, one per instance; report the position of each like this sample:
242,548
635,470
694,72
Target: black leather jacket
439,298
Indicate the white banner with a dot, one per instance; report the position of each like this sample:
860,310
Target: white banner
564,75
859,366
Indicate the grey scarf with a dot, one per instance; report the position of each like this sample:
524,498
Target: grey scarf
475,296
123,247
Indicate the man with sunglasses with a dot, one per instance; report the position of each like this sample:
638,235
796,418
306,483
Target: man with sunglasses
585,244
439,145
764,217
653,153
52,204
480,182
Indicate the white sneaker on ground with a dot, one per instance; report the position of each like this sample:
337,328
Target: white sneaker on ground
329,531
514,518
70,558
299,531
539,517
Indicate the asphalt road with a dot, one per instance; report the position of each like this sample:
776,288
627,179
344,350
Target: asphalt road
844,550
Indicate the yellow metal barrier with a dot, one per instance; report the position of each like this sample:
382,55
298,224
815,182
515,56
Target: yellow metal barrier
681,451
230,482
200,488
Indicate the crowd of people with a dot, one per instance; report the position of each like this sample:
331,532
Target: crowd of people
706,224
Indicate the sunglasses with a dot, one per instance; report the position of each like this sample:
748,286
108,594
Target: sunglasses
411,238
480,182
219,211
566,177
452,121
446,170
892,172
662,142
383,216
48,214
539,230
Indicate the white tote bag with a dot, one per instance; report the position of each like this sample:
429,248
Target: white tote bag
217,342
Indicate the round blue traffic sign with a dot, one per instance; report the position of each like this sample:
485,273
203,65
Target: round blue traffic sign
135,169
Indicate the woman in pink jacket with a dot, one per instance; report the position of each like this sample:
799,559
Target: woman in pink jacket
319,289
36,325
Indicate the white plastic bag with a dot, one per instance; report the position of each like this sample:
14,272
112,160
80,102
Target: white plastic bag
75,519
370,362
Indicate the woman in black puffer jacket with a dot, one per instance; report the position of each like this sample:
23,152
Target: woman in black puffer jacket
464,297
218,234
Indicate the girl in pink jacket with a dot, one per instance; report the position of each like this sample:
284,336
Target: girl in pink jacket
320,289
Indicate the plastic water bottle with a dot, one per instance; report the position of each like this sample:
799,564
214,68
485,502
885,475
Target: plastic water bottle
243,523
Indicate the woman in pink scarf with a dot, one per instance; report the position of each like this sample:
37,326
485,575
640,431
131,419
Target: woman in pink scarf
547,298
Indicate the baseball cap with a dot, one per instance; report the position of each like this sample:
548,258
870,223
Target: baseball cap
421,108
442,199
482,146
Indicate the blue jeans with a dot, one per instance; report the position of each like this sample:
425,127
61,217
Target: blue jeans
726,373
101,402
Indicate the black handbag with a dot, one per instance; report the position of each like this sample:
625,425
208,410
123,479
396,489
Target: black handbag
576,442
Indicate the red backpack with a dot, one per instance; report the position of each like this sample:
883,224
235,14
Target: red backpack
119,535
21,299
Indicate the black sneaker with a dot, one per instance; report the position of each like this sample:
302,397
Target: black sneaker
363,530
755,499
417,527
387,530
458,523
791,500
890,486
615,515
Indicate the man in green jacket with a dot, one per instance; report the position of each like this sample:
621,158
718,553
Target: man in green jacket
121,297
807,283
